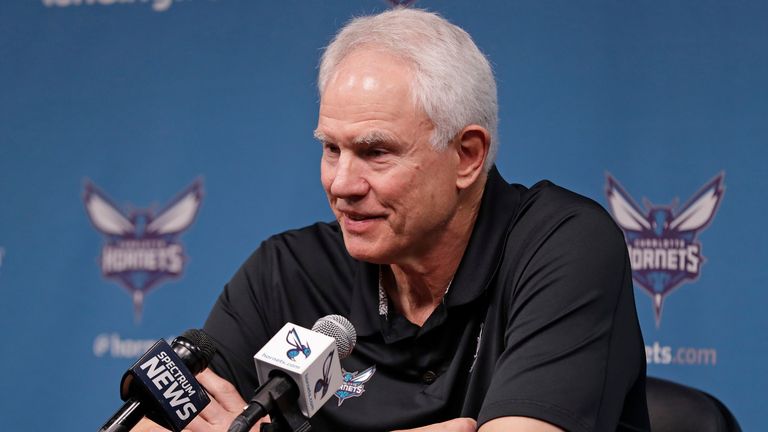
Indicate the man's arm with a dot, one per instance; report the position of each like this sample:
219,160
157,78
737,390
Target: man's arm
226,404
518,424
501,424
463,424
572,345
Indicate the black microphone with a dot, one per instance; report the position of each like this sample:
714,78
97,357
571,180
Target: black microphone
161,385
300,370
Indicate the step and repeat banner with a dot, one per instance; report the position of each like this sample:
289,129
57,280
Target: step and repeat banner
147,147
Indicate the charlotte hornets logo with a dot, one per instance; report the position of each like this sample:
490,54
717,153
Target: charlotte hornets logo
354,383
661,240
141,247
299,347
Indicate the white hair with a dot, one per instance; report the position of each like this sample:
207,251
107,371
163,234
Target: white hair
453,82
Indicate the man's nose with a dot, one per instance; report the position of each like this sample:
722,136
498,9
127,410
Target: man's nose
349,179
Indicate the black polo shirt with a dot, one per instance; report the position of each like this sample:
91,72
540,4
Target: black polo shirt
539,321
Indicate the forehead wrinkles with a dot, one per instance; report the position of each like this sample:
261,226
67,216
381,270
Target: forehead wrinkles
378,53
368,125
326,133
369,99
367,67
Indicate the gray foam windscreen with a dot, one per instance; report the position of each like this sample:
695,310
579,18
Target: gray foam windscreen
339,328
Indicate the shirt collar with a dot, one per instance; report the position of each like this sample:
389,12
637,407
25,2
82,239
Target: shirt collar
499,206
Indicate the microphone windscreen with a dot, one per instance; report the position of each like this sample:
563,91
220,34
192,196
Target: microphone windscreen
204,342
195,348
339,328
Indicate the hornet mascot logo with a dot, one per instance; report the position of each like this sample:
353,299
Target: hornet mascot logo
292,337
661,240
141,248
354,383
322,384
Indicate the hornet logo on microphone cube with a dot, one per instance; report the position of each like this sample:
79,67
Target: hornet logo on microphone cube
166,379
309,358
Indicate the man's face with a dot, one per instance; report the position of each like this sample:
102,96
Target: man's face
392,193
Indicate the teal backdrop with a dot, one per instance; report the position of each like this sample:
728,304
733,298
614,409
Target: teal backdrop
201,112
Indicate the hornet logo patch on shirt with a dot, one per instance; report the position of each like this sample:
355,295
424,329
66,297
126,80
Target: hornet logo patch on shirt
662,240
354,383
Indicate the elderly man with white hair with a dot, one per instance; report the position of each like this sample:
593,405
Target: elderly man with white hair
479,305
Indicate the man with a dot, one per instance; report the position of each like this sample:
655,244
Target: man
477,304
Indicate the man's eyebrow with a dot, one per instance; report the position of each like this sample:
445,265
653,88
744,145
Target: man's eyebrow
369,139
319,136
373,138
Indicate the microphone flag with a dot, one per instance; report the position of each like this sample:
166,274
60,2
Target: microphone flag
161,376
309,358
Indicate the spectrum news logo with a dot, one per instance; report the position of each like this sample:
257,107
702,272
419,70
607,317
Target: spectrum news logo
157,5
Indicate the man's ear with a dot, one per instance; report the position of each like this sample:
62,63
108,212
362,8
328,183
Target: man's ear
472,147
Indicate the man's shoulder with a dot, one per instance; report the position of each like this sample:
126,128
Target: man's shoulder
315,247
319,241
546,207
546,196
544,199
313,256
316,234
547,202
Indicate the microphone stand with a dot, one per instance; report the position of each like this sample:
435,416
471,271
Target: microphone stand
286,417
277,397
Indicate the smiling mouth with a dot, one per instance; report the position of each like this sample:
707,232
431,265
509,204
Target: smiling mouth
357,224
356,217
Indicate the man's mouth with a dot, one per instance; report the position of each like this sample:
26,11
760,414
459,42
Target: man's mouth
357,224
360,217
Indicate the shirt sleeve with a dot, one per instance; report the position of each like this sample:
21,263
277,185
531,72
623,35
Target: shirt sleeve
239,325
290,277
572,345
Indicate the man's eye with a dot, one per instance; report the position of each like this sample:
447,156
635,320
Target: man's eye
375,152
330,148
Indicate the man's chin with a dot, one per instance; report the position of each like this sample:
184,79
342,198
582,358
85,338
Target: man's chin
365,251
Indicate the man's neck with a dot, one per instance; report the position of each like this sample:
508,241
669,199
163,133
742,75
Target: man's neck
415,296
416,288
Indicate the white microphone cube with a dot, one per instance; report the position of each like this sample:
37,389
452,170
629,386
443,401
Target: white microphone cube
309,358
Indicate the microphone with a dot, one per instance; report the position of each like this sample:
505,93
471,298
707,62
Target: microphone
298,365
161,385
